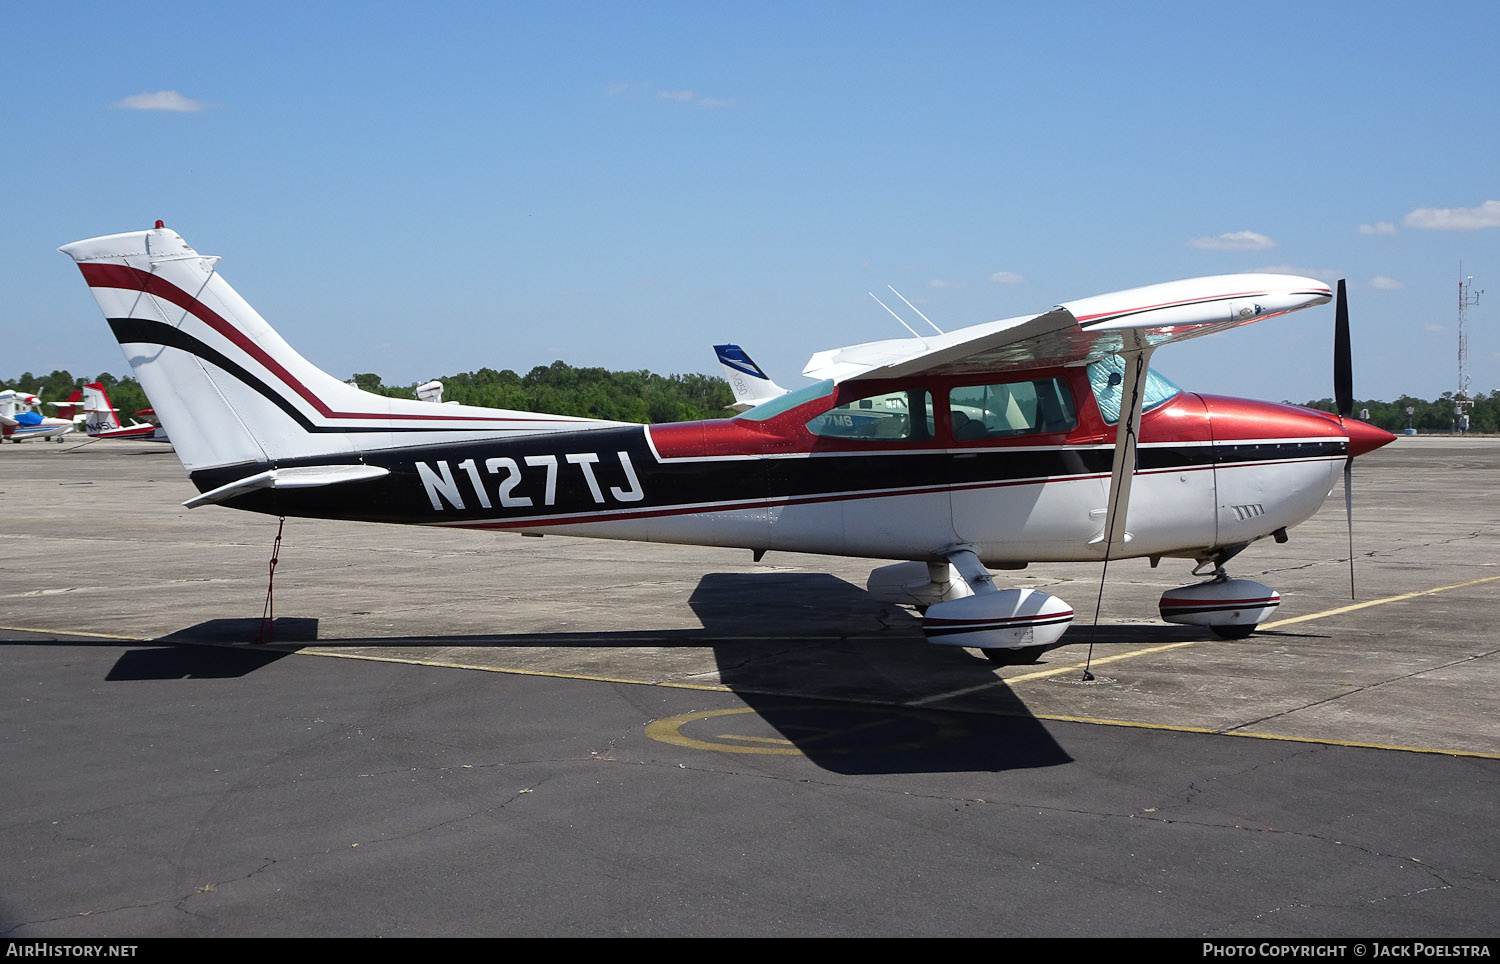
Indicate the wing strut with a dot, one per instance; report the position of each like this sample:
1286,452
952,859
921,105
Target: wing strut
1137,357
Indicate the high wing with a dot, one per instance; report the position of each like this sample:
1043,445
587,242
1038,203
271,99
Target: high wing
1131,324
1081,331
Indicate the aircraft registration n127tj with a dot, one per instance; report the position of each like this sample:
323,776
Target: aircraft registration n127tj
1036,439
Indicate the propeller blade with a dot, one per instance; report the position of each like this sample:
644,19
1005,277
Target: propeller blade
1343,363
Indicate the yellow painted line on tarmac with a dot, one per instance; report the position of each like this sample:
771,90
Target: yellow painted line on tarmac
1367,746
1376,602
1052,671
510,671
1149,650
64,632
1316,740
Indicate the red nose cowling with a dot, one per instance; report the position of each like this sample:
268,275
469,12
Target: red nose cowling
1365,438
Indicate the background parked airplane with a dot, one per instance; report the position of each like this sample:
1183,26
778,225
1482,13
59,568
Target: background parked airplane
21,422
102,421
750,385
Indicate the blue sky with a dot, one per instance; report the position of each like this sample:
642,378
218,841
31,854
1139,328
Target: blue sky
417,190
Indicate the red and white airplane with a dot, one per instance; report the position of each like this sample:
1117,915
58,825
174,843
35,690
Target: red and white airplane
1033,439
101,419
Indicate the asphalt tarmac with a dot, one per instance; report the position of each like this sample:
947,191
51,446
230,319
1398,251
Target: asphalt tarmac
463,733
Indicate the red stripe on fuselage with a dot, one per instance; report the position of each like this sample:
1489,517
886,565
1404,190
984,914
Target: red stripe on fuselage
127,278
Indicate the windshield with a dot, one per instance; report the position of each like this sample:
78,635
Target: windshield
1106,378
789,401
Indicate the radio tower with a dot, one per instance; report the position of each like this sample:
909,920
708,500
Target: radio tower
1466,296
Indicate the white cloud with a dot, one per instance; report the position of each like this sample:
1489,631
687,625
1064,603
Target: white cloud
688,97
1487,215
944,283
161,100
1383,283
1234,241
1321,274
1379,227
1007,278
1432,329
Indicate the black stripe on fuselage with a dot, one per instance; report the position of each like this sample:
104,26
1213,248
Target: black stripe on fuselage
628,480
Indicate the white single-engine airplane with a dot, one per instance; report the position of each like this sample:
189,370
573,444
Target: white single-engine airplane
1034,439
20,422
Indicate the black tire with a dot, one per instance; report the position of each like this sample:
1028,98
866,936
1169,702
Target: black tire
1237,631
1014,657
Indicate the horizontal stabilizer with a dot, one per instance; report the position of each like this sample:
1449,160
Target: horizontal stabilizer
298,477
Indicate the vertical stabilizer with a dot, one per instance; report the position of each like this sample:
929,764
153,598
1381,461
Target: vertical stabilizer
100,413
229,390
751,386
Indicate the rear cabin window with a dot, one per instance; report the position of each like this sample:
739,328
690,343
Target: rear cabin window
890,416
1006,409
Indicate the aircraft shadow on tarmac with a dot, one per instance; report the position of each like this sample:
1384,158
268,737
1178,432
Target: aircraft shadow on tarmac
173,661
826,671
190,662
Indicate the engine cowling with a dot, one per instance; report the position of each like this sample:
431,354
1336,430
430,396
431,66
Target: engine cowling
1003,619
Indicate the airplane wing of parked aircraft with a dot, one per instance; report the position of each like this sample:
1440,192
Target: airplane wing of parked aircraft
1042,438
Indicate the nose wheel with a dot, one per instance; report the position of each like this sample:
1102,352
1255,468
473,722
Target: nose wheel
1015,657
1230,608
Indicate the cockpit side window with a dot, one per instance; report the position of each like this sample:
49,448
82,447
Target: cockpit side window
888,416
1000,410
1106,378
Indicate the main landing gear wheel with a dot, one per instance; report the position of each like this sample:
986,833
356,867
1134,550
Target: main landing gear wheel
1014,657
1233,632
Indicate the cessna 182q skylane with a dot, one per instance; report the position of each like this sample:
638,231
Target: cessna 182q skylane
1034,439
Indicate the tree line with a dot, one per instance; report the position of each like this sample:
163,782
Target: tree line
1428,418
557,389
561,389
644,396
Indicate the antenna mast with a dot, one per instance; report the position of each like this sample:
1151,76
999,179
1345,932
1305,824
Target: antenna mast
1461,401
